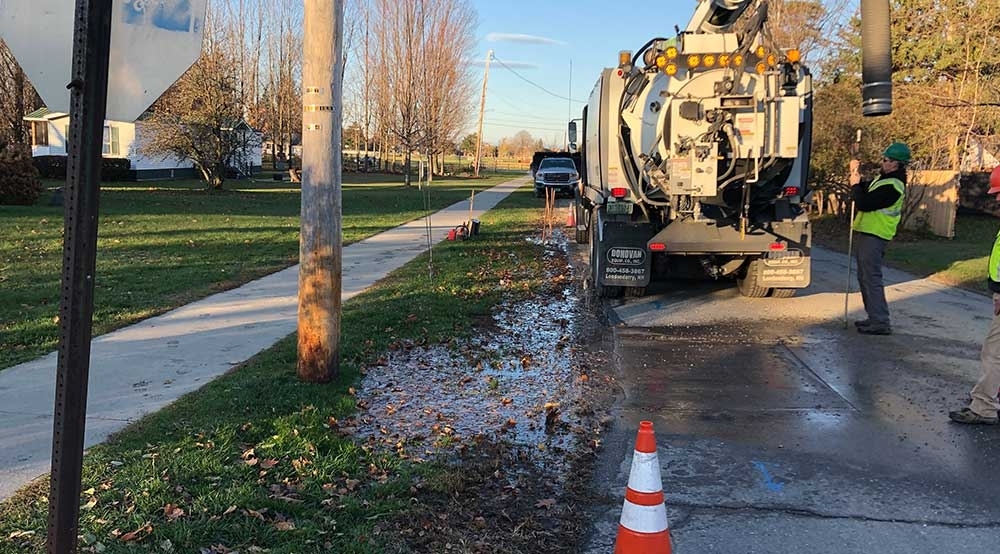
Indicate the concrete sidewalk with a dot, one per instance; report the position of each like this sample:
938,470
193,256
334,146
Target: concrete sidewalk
141,368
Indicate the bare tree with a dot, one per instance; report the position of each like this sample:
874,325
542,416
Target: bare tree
399,31
805,24
444,84
421,89
17,97
200,117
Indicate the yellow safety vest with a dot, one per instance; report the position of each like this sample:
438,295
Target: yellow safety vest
882,223
994,269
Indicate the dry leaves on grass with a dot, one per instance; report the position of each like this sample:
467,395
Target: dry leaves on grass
142,532
172,512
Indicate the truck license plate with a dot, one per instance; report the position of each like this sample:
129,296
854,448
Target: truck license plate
619,208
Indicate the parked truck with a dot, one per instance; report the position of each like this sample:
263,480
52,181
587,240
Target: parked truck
695,153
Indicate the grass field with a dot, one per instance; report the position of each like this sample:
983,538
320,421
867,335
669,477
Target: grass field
253,461
959,261
165,244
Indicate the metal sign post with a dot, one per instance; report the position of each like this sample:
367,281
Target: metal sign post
88,98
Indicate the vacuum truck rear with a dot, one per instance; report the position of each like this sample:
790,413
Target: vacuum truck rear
695,154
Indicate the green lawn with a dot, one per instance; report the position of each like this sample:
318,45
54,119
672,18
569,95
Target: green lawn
255,462
960,261
165,244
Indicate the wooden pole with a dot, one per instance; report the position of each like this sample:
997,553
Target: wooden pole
320,249
482,110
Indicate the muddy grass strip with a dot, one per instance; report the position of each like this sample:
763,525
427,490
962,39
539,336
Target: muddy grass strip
257,462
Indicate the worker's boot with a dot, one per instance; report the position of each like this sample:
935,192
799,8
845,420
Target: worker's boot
875,329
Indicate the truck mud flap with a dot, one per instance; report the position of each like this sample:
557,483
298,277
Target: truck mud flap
623,258
787,269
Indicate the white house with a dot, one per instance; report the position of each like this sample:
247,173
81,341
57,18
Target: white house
49,131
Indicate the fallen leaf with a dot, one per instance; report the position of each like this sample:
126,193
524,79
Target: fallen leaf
229,510
284,525
268,463
257,514
18,534
138,534
172,512
546,503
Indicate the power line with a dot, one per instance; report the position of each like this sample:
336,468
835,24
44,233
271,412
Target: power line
534,84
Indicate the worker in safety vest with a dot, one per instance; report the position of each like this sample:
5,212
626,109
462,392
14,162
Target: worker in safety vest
984,405
879,205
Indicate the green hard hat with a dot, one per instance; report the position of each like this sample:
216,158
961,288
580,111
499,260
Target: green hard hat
897,151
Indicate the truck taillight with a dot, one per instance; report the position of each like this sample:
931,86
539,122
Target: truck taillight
791,191
778,246
657,247
619,192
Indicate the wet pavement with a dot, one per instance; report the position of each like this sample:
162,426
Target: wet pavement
779,430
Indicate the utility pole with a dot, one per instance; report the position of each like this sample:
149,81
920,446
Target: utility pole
88,105
482,108
320,249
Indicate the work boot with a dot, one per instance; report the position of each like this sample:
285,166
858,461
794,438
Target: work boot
863,323
875,329
966,415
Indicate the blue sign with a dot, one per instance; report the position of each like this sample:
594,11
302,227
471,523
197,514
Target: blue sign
169,15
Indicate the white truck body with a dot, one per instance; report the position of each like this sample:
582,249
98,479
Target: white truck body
697,149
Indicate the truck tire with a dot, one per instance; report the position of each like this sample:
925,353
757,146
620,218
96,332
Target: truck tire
783,293
748,284
600,290
582,220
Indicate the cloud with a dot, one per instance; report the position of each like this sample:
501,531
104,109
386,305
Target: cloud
527,39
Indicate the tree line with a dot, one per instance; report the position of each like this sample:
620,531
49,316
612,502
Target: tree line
410,87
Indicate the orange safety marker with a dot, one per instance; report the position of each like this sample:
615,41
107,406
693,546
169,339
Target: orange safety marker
643,527
571,218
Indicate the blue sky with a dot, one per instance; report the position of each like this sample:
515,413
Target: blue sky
538,41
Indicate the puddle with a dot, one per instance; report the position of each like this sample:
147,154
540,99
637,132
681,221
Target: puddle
515,383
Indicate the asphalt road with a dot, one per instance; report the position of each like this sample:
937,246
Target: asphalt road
781,431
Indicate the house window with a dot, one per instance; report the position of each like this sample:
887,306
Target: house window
111,140
39,133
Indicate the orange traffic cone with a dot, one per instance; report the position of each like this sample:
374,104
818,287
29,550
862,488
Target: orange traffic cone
643,527
571,218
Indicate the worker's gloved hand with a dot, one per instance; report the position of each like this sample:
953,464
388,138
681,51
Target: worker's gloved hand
996,303
855,176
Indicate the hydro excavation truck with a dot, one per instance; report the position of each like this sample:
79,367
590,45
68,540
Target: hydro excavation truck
695,157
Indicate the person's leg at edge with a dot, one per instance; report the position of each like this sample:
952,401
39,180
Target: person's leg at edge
984,393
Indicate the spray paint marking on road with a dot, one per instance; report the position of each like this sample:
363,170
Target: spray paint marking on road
768,480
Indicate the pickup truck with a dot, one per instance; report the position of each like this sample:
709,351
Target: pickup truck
558,173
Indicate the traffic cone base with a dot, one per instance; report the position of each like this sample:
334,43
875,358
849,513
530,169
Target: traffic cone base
643,527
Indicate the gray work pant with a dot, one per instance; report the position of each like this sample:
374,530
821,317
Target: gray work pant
984,394
869,251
